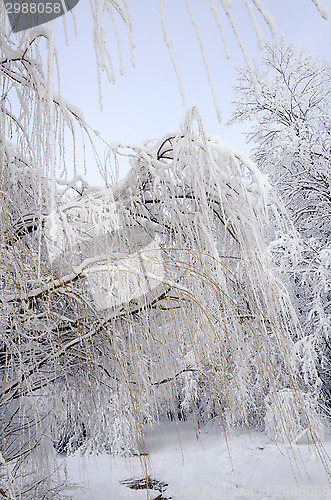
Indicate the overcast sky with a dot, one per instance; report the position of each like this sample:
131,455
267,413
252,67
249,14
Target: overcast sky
145,102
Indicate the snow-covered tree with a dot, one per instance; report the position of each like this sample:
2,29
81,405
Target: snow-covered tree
291,131
146,298
291,134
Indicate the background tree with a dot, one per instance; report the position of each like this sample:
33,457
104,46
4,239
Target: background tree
291,131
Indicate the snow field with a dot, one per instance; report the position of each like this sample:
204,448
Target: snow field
205,465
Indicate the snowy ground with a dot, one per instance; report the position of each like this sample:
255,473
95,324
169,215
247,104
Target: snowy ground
206,466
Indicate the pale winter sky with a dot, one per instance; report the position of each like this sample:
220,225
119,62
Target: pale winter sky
145,102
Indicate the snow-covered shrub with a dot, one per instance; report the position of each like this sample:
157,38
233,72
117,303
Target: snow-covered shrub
292,416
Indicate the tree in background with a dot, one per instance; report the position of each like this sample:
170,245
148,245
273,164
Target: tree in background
291,135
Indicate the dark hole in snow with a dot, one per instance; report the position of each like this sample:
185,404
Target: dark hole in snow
147,483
